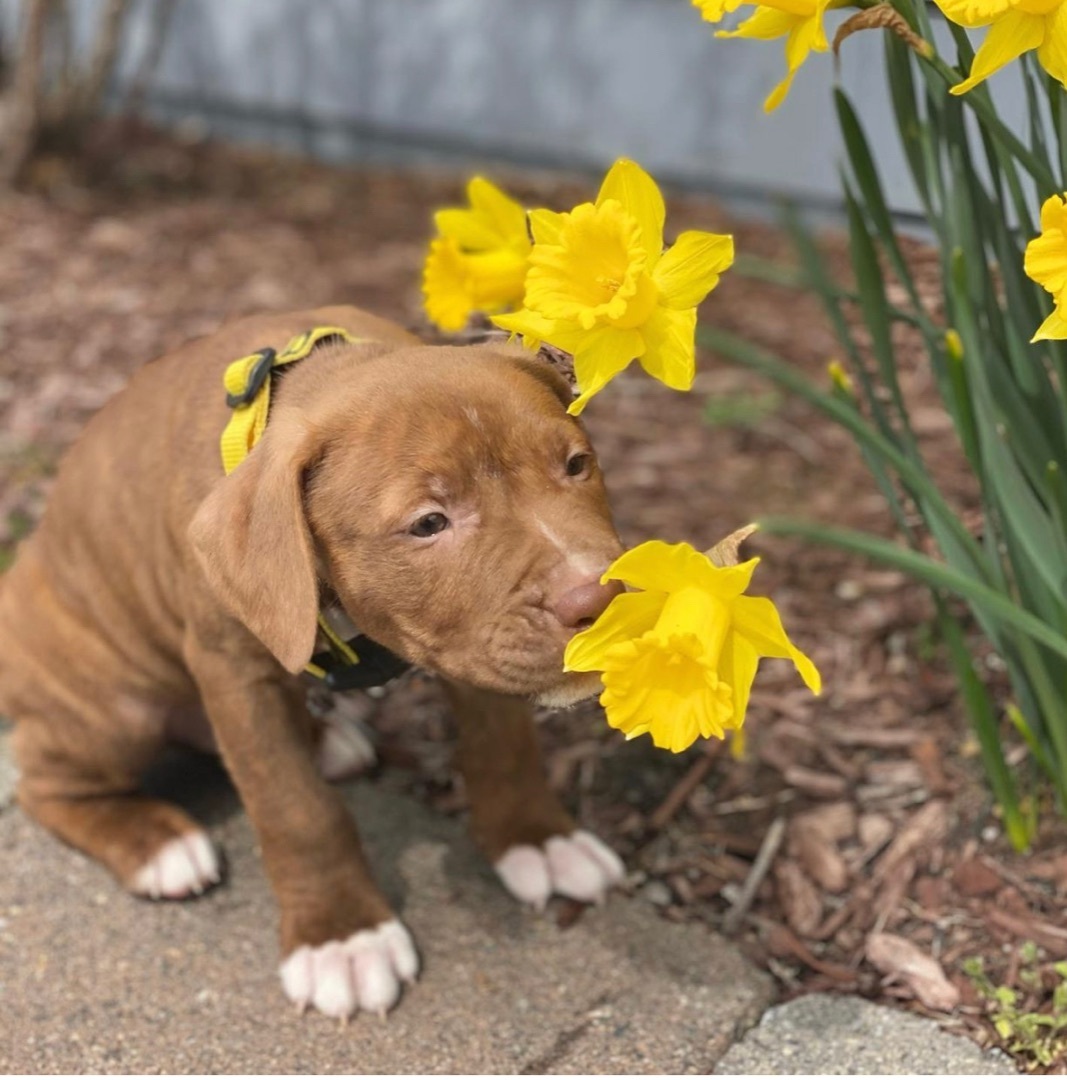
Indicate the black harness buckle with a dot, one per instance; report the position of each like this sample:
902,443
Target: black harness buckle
377,666
257,377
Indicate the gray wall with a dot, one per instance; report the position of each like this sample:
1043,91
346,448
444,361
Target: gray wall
571,82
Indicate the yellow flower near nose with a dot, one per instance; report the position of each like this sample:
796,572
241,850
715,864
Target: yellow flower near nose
602,288
678,658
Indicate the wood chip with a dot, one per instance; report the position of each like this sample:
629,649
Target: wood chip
927,755
923,829
836,821
974,878
897,774
899,959
876,738
1052,938
782,942
772,841
817,854
695,775
800,900
820,784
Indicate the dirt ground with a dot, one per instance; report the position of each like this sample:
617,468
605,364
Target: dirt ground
888,866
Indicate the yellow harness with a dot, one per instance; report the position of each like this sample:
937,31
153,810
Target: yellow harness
248,386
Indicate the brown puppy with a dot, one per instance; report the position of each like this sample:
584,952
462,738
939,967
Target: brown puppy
441,495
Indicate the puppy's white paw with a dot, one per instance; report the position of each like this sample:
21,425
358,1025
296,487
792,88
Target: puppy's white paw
345,751
182,867
579,866
365,972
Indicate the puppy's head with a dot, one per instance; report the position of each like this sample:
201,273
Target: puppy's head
444,495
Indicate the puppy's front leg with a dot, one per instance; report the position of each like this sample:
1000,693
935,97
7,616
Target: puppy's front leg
343,947
515,818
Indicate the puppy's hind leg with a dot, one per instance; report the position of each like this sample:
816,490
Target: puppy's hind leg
80,781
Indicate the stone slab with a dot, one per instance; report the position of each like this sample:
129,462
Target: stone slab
823,1033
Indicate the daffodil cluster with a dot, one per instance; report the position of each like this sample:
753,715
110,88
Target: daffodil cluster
678,658
478,260
800,22
1046,263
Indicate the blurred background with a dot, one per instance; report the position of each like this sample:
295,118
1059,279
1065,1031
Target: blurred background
571,83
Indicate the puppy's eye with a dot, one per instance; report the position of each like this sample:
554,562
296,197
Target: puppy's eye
429,525
579,464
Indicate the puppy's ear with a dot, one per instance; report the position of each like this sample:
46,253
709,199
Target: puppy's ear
253,543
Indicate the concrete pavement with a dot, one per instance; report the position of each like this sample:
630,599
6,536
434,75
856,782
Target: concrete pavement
92,980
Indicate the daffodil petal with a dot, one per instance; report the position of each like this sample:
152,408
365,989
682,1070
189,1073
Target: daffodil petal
598,357
1054,213
713,11
661,567
657,566
445,296
468,230
1052,52
738,664
765,24
670,347
546,226
533,326
1013,34
756,619
973,13
1046,260
639,196
690,269
627,616
1054,328
507,217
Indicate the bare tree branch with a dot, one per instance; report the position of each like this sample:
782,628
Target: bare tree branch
102,63
162,11
24,108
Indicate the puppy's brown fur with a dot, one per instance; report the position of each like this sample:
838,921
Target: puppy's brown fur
156,589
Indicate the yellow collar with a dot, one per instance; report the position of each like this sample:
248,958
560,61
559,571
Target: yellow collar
248,387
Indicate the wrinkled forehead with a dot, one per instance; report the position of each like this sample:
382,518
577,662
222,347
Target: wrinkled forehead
440,432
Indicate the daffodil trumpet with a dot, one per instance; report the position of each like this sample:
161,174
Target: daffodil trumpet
678,657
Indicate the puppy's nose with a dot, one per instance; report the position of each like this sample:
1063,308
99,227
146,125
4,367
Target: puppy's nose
583,605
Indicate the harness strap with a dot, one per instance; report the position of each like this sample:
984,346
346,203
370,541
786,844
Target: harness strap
248,387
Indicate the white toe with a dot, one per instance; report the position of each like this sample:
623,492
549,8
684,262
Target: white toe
575,873
524,871
364,972
334,990
609,862
182,867
345,751
579,866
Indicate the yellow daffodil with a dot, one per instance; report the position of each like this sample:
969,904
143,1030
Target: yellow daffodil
678,659
1046,263
478,262
798,21
1015,27
601,286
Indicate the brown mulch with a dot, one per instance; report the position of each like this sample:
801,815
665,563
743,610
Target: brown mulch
855,847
